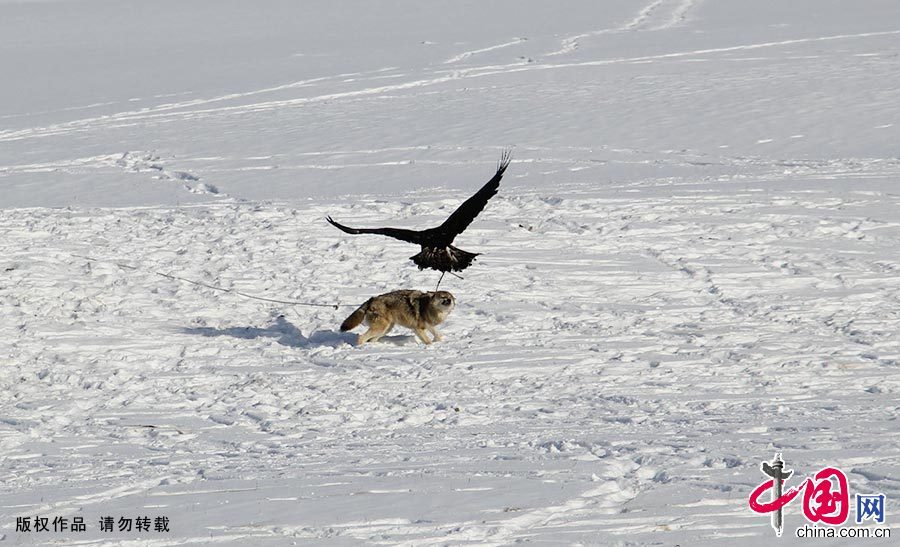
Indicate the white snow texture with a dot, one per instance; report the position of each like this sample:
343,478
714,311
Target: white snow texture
693,262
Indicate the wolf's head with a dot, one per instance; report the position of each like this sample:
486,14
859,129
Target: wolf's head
441,303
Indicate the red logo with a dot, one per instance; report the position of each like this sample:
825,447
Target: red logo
820,503
826,498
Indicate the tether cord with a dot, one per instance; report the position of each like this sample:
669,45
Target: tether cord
442,278
208,286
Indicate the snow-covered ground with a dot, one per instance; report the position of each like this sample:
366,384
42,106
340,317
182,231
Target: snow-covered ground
692,263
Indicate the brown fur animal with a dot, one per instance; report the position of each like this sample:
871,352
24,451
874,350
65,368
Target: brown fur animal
416,310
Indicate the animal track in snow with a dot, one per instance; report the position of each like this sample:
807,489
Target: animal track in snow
143,162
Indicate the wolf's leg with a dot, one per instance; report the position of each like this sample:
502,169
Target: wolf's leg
421,334
436,334
364,337
377,328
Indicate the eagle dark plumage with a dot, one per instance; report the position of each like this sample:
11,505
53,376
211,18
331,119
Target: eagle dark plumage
437,252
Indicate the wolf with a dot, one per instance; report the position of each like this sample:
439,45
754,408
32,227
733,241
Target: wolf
416,310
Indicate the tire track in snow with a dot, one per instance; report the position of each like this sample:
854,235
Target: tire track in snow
677,13
437,78
293,85
129,118
500,69
466,54
440,77
571,43
167,107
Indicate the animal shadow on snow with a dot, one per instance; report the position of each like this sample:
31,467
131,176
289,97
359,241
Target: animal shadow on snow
282,330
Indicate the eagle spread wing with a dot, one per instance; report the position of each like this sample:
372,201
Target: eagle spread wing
437,252
410,236
466,213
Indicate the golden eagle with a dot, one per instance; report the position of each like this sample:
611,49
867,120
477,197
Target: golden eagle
437,252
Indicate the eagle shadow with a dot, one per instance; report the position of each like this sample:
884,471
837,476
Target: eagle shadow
282,330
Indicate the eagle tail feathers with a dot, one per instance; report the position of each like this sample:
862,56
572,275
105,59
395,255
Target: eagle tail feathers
447,259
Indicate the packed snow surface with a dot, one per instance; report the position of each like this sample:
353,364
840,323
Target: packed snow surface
692,264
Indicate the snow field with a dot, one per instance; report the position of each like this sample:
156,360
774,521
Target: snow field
691,264
636,347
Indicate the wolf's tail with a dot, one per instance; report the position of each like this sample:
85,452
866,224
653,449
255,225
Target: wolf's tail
356,317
